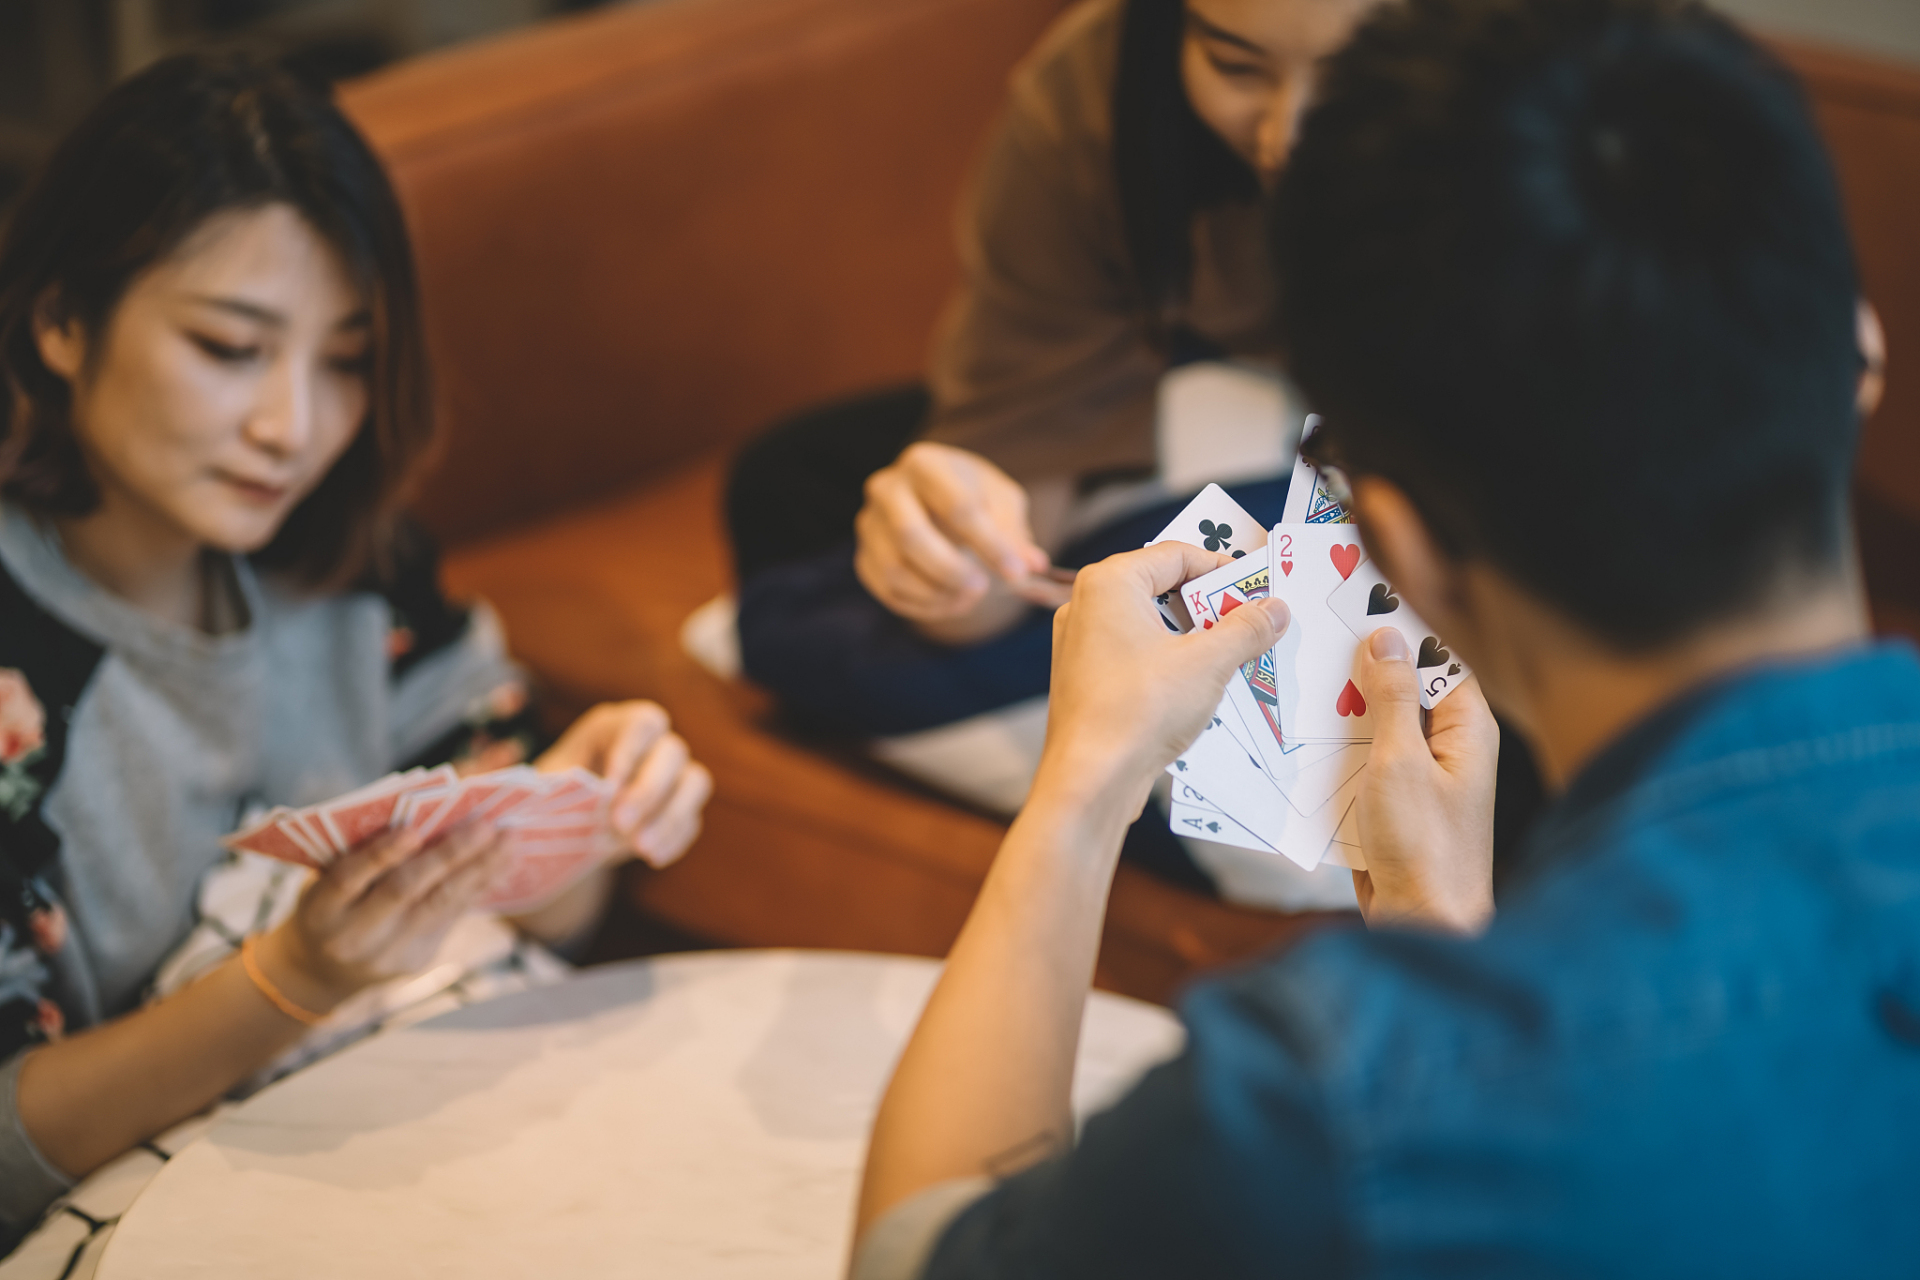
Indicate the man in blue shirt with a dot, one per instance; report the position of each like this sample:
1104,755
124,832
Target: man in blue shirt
1569,282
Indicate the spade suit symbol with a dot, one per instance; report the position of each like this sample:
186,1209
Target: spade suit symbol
1381,599
1431,654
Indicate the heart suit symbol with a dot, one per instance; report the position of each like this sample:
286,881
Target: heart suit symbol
1346,559
1350,702
1382,599
1286,568
1431,654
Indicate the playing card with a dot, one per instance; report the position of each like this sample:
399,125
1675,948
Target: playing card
1214,522
296,826
1208,599
1202,823
531,882
1316,694
265,837
358,816
1345,851
1309,501
1366,602
1231,779
555,824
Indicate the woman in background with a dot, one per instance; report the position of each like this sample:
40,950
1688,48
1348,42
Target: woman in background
1114,230
216,400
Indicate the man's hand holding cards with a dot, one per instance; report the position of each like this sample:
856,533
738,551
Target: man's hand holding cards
1281,764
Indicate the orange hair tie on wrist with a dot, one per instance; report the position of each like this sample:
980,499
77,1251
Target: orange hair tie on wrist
274,995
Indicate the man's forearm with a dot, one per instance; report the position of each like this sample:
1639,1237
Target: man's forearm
985,1083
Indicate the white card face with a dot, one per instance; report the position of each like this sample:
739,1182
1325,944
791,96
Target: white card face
1345,849
1211,597
1367,602
1315,691
1198,822
1214,522
1308,499
1231,780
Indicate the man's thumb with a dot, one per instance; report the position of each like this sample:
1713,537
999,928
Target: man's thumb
1392,688
1249,630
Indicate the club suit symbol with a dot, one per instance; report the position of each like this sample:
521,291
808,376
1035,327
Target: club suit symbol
1216,537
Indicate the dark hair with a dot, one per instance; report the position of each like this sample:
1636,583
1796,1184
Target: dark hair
190,137
1168,165
1575,275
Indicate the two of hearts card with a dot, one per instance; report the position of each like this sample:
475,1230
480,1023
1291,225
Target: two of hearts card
555,824
1284,755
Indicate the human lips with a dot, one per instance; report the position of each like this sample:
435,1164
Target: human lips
263,492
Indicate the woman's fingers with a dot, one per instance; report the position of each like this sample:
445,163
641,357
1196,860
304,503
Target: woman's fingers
413,880
676,827
456,892
348,879
635,729
901,521
640,801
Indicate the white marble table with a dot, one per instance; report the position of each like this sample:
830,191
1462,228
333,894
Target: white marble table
694,1117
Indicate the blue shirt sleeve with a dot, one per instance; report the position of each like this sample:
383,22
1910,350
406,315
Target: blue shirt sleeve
1219,1163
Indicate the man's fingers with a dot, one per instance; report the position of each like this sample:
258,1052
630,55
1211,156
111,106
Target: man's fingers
1169,565
1462,726
1392,690
1247,632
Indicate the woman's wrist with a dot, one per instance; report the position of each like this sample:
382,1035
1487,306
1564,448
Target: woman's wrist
285,962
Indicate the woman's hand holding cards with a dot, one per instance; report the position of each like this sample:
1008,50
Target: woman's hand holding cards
379,911
661,789
1426,807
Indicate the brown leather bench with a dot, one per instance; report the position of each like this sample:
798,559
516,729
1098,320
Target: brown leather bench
647,232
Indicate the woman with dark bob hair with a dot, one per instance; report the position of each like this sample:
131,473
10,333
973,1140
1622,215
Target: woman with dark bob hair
216,398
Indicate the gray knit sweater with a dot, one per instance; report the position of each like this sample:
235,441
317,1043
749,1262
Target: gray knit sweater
152,741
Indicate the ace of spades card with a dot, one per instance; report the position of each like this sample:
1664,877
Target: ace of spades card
1366,602
1215,522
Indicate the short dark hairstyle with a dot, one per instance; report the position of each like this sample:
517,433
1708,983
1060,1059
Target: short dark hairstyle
1575,275
190,137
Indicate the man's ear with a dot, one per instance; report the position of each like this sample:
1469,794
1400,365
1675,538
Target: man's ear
62,342
1873,350
1407,553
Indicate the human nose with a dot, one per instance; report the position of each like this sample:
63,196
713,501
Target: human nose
1282,121
282,419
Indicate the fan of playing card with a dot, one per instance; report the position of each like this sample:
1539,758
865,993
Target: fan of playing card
555,824
1280,763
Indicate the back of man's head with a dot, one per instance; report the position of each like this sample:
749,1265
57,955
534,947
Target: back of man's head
1574,274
